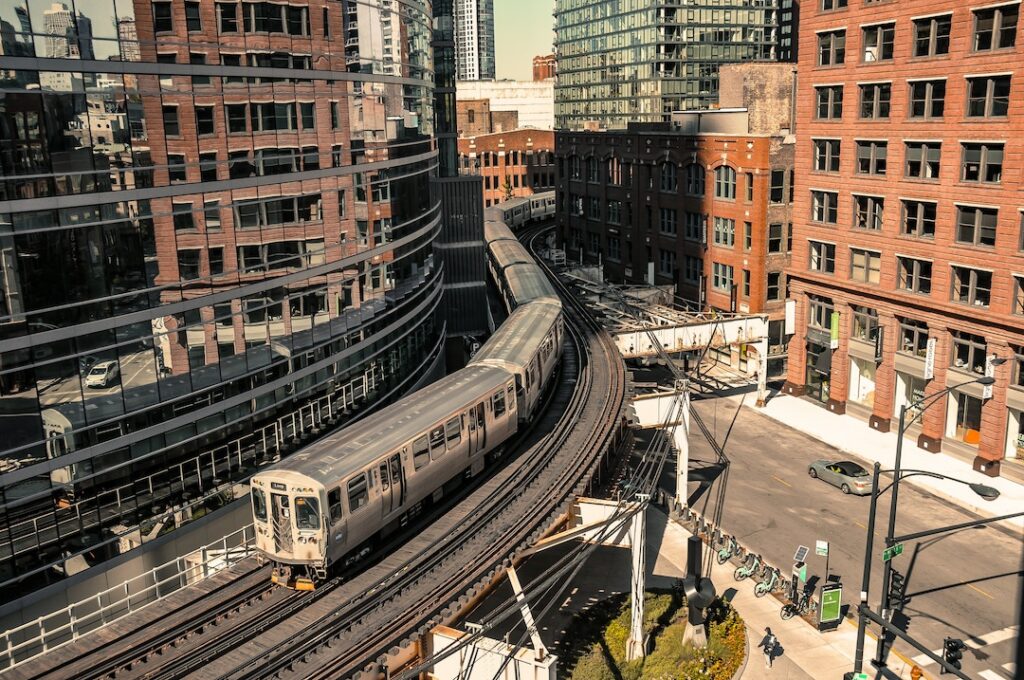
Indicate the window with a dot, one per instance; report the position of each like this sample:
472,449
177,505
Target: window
721,278
695,226
204,120
188,264
197,58
774,238
868,212
574,166
774,287
308,112
968,352
746,283
334,503
420,452
967,426
922,160
358,496
593,208
170,116
875,99
176,168
1018,295
666,262
694,268
725,232
931,36
877,42
872,157
819,312
865,265
982,162
988,96
823,257
162,21
236,117
227,17
437,446
211,213
216,260
695,179
593,170
865,323
614,247
1018,366
829,102
748,235
995,28
976,226
825,206
259,504
777,193
208,167
615,212
826,155
725,182
668,177
972,286
927,98
914,275
827,5
667,223
193,21
831,48
749,183
913,336
919,219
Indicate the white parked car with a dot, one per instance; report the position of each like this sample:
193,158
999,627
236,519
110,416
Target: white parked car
102,374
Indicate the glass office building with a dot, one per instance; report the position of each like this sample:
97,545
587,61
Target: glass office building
622,61
216,242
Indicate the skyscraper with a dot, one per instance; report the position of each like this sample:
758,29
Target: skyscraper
210,254
474,39
638,62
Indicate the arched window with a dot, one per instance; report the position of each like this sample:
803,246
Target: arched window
695,179
725,182
668,176
593,174
614,171
574,167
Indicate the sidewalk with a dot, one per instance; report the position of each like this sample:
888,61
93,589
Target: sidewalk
853,436
807,653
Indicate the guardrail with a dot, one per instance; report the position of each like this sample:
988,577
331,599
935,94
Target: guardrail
60,627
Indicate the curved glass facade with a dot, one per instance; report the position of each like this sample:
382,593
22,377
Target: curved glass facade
216,239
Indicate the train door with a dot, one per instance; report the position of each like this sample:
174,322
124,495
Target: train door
282,515
392,484
477,429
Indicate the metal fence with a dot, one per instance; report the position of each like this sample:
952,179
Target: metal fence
52,630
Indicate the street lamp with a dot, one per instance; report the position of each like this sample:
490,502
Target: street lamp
986,492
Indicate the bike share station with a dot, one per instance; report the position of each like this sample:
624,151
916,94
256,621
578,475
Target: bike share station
830,595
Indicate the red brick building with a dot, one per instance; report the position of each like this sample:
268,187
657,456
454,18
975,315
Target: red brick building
520,162
474,117
544,66
703,202
908,219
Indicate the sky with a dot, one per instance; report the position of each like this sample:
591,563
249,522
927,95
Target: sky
522,30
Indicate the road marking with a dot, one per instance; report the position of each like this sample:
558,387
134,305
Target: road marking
782,481
974,587
992,638
990,675
1010,668
862,526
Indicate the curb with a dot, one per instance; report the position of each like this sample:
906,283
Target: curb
909,663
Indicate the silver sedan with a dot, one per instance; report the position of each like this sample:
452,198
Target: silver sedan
845,474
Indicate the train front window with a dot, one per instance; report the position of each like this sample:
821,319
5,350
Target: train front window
259,505
307,512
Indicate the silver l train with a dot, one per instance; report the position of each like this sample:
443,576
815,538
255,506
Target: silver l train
343,492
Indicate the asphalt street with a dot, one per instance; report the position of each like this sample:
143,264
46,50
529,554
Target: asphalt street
966,584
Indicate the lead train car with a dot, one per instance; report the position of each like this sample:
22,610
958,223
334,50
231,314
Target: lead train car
337,494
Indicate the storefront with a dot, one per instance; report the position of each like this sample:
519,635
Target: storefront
819,367
963,419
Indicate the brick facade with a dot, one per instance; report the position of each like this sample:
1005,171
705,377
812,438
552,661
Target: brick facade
522,158
544,66
910,218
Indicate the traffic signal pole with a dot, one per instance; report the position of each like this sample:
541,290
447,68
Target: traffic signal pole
895,630
869,548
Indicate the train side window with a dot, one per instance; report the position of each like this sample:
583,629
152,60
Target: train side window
259,504
511,389
453,432
385,480
334,504
437,442
358,495
480,415
499,404
472,422
420,452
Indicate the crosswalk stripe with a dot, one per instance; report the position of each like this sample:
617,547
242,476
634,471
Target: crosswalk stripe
990,675
992,638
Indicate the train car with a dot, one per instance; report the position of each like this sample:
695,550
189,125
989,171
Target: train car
503,254
542,205
515,212
342,492
522,283
496,230
514,347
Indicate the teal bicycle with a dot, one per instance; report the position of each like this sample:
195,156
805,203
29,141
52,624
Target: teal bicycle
745,571
772,580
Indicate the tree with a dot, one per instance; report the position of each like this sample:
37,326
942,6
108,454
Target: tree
507,188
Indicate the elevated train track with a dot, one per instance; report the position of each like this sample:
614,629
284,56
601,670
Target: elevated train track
348,626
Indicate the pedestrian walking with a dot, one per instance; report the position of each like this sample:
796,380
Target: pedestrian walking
769,642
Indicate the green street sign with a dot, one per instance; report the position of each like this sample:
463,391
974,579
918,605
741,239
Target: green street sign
861,676
892,552
831,604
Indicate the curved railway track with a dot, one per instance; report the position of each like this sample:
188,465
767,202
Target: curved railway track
512,516
335,631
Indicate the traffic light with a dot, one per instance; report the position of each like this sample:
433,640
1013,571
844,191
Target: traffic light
897,590
952,652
